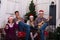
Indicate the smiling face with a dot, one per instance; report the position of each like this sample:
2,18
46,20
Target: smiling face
10,19
31,18
41,14
16,13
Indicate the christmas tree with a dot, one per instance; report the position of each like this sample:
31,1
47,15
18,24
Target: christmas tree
32,11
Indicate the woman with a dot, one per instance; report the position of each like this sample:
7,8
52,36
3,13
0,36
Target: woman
10,29
31,21
32,27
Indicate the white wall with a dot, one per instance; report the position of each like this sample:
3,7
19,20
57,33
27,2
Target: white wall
9,6
58,13
2,12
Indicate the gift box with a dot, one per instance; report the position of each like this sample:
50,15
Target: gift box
21,34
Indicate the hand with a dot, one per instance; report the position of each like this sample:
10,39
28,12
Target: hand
32,24
18,21
50,17
6,27
40,23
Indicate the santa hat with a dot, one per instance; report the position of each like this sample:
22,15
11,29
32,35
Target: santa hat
31,16
41,11
10,17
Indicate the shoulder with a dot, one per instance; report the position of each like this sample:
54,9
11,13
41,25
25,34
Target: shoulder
7,25
22,19
28,21
44,18
37,18
14,18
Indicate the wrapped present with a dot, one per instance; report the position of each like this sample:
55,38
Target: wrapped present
21,34
46,33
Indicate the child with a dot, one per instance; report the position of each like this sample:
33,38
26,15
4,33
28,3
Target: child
10,29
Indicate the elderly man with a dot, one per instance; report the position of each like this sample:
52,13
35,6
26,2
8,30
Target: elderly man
42,23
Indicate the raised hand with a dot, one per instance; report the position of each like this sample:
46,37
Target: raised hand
50,17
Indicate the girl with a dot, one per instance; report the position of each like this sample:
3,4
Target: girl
31,21
10,29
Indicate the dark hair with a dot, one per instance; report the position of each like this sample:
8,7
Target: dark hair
16,12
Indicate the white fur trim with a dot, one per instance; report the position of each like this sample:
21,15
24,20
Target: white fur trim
31,16
10,17
41,12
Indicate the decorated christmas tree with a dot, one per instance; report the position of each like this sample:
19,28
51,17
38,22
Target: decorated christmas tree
31,12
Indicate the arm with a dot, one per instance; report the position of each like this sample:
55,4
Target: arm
40,24
50,17
28,22
44,20
36,23
16,25
6,28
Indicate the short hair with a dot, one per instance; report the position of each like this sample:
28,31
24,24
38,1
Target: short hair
16,12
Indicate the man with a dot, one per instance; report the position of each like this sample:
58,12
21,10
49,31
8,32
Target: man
22,25
42,23
17,17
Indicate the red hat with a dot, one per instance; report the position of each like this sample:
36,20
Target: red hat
41,11
10,17
31,16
